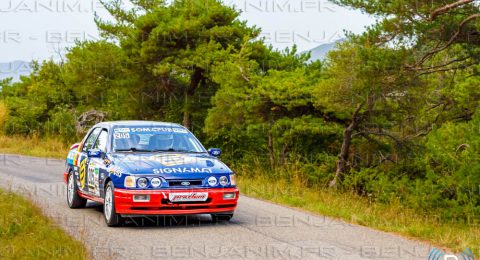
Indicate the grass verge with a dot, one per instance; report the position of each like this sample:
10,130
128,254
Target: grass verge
352,208
26,234
33,146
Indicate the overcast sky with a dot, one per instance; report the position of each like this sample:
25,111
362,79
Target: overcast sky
38,29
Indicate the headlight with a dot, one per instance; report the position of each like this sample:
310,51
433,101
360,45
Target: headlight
156,182
233,180
212,181
142,182
130,182
223,181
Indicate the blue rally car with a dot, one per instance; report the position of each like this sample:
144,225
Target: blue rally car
140,168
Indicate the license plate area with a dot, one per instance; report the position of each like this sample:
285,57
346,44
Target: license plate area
188,196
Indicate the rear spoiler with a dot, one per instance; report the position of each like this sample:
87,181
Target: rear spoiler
74,146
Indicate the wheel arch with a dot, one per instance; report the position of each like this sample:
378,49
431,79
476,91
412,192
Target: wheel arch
105,183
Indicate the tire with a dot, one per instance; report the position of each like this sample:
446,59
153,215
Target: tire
74,200
222,217
111,217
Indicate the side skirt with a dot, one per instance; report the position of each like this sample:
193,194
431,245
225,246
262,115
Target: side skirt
90,197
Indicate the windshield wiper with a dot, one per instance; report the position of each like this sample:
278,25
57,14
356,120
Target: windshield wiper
132,149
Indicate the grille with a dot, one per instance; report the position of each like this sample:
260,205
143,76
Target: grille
178,183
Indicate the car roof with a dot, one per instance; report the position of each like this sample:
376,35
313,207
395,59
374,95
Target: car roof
137,123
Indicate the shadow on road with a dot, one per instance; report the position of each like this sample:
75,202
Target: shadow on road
190,221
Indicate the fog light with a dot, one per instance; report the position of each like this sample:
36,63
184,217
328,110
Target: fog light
141,198
212,181
229,195
156,182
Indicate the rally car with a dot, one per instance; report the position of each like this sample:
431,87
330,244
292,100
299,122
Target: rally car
140,168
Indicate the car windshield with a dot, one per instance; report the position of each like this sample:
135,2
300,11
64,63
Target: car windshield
155,139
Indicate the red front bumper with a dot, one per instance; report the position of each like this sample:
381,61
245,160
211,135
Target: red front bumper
159,204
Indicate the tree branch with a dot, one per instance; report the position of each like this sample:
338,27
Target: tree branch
451,41
447,8
381,133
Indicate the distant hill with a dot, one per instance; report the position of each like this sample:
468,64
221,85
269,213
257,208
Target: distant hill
319,52
14,69
18,68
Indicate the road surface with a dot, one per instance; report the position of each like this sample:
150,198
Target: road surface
259,230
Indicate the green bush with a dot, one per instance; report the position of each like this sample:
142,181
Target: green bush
442,180
61,125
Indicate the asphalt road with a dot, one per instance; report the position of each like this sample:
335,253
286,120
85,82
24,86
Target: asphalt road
259,230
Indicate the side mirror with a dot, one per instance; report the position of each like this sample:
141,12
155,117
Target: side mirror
214,152
95,153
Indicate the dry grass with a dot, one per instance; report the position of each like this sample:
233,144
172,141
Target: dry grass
352,208
3,114
34,146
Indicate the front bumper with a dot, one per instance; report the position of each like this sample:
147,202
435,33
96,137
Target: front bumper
160,205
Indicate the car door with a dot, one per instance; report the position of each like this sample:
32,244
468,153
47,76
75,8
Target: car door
84,160
96,169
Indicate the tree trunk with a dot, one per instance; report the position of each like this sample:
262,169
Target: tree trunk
195,81
344,151
283,154
271,150
186,119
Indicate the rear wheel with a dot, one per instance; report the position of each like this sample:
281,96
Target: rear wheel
111,217
222,217
74,200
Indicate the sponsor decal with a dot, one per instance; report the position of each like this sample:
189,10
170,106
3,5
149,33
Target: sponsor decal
97,176
76,160
93,175
107,162
83,172
150,130
114,170
172,159
159,129
71,156
182,170
122,130
188,196
121,135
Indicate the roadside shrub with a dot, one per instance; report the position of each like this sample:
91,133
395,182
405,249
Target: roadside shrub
442,180
61,125
3,116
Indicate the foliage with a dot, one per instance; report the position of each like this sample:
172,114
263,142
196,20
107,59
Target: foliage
173,47
390,114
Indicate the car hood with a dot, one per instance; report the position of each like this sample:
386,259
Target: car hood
170,165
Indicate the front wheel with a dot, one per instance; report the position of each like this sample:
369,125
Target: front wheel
111,217
74,200
222,217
